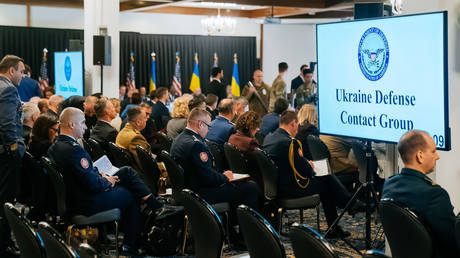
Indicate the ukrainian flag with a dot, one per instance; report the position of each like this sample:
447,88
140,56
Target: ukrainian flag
195,82
235,78
153,79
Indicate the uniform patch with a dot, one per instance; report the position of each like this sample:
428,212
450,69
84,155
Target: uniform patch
84,163
204,156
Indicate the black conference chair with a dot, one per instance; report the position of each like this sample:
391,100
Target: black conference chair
375,254
97,150
260,137
87,147
269,172
119,156
150,172
164,141
260,237
218,155
235,159
86,251
58,185
55,245
406,233
306,242
28,241
207,229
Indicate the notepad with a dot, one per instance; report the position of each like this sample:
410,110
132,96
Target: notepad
321,167
104,165
237,177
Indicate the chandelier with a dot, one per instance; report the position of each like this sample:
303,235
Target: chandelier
397,6
218,24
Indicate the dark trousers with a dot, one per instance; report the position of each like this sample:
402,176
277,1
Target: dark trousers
126,196
331,192
236,193
9,169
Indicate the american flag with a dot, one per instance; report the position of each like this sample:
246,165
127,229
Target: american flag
43,80
176,86
130,79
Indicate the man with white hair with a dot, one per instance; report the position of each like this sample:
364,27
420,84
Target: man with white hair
53,105
31,113
92,191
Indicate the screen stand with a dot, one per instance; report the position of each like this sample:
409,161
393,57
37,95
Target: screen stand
102,79
372,201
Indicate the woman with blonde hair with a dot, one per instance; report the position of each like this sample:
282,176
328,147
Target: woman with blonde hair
116,122
179,116
308,122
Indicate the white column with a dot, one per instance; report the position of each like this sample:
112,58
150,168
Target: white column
102,13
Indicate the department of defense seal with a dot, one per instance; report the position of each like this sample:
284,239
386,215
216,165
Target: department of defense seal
373,54
67,68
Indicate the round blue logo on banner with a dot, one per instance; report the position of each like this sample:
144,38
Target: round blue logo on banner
373,54
67,68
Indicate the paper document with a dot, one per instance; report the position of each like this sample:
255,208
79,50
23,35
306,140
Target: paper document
239,177
104,165
321,167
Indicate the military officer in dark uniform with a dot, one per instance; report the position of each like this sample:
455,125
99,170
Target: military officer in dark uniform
420,194
296,176
12,146
200,175
91,191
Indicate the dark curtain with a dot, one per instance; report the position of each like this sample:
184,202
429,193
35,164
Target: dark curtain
28,43
165,47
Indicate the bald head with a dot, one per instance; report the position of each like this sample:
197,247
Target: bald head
72,122
54,102
418,151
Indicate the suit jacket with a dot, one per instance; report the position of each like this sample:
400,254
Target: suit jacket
28,88
278,90
90,122
176,126
269,123
196,159
277,146
128,138
257,104
295,83
220,130
104,133
160,114
218,89
213,113
26,134
429,201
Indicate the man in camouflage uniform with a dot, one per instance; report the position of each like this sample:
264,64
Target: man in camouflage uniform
307,92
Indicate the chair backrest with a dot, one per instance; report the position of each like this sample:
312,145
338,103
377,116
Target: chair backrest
207,229
260,137
260,237
96,149
58,185
118,156
164,140
406,233
28,241
306,242
86,251
175,172
86,146
150,171
55,246
268,170
317,148
235,159
359,150
218,155
375,254
30,172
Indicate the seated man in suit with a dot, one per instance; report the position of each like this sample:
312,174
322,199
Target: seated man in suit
31,113
200,175
413,188
270,122
296,176
160,112
53,106
222,127
103,132
91,191
90,114
130,136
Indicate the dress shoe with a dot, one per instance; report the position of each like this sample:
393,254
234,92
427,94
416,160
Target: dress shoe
337,232
167,211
